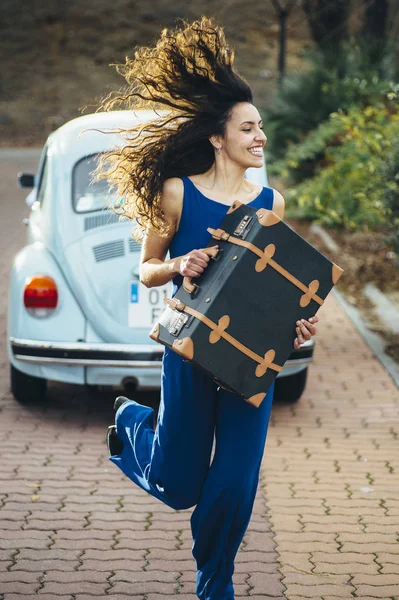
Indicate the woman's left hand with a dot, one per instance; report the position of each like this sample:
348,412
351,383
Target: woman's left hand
305,330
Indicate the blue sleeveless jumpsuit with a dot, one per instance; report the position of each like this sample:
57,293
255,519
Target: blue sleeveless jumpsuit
173,462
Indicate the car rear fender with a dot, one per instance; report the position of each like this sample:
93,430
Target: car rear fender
66,323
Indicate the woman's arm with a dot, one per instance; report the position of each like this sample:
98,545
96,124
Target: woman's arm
278,204
154,270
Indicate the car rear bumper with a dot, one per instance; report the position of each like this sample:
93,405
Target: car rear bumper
88,354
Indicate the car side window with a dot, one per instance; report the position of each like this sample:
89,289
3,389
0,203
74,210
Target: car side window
43,182
90,195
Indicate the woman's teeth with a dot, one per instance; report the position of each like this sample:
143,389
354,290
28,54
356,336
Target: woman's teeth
256,151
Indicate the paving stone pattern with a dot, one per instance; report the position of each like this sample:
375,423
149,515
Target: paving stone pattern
326,517
331,473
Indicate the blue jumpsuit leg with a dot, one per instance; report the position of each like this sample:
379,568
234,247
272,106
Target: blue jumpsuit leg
224,510
172,462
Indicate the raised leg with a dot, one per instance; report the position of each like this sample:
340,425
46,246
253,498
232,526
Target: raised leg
172,461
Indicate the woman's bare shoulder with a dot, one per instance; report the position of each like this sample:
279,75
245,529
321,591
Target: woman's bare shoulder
173,186
278,204
172,196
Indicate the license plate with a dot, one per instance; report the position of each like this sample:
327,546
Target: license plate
146,304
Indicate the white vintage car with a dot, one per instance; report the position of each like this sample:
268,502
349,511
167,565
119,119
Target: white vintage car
77,311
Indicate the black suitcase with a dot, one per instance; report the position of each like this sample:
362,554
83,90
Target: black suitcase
237,321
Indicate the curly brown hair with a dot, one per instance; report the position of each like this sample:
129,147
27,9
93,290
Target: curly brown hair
189,72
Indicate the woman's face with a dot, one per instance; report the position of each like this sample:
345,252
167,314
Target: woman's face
244,139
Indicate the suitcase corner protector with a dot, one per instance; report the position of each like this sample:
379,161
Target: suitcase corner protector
154,333
256,400
184,347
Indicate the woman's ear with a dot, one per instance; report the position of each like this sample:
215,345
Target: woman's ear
216,142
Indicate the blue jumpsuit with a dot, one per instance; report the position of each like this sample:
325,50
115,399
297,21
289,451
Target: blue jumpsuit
173,462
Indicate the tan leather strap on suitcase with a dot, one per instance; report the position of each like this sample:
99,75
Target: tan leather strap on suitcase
219,331
265,258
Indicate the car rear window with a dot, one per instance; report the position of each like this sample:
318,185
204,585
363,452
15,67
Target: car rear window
87,195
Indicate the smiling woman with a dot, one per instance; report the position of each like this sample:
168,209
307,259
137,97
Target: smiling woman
179,174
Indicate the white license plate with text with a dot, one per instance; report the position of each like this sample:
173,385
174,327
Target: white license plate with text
146,304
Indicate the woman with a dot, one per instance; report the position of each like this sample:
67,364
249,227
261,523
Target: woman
178,176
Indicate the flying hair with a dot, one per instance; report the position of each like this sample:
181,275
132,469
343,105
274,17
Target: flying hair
189,79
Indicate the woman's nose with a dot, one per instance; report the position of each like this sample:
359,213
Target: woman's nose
261,137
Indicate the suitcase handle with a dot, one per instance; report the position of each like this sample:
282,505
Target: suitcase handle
188,285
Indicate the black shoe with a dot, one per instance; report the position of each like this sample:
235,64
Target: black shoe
119,401
114,442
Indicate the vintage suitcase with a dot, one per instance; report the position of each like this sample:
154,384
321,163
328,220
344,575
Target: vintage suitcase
237,320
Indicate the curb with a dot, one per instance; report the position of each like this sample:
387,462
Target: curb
384,308
374,341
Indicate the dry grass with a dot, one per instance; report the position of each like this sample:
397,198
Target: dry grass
55,61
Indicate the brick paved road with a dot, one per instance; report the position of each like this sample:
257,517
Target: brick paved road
326,518
331,474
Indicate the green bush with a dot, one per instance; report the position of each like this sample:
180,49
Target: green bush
356,75
391,173
301,160
357,184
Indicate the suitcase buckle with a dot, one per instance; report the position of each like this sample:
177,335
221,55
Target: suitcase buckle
175,304
218,255
179,306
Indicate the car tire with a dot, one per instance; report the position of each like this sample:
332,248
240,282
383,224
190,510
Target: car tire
290,389
26,388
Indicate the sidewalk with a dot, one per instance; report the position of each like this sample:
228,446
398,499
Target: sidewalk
331,474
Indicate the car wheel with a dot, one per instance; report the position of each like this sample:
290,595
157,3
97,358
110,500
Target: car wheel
26,388
290,389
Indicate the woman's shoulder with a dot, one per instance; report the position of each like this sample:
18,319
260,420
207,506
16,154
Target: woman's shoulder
172,197
173,186
278,206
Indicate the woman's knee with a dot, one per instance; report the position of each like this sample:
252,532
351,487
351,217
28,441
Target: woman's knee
178,494
179,499
182,502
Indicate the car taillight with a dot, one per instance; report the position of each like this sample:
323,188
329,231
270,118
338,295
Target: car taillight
40,295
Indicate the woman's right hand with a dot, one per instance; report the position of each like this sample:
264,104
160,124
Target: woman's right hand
192,264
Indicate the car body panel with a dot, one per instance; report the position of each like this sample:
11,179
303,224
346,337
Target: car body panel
36,259
101,281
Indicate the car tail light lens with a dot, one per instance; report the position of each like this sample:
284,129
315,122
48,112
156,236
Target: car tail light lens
40,295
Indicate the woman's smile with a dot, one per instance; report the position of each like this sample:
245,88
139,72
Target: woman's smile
256,151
